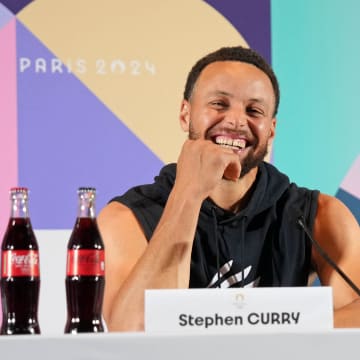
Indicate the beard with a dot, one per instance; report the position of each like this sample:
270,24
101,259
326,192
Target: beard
252,159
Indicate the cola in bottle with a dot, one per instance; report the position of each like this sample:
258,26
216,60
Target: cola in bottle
20,270
85,270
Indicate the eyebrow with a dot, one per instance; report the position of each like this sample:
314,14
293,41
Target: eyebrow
220,92
258,100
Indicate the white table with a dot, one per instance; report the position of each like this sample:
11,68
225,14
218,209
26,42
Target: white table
53,345
332,345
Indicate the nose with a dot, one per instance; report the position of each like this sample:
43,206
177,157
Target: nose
236,118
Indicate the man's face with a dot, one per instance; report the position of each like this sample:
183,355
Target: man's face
232,105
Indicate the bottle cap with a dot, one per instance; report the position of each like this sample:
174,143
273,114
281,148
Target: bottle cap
83,189
19,189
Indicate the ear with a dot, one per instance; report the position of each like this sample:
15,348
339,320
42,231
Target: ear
272,129
271,139
185,115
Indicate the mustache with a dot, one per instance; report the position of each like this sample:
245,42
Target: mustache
210,133
224,130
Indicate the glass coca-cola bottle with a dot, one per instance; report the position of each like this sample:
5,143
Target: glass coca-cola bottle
20,270
85,270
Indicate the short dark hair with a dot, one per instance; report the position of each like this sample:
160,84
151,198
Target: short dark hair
236,53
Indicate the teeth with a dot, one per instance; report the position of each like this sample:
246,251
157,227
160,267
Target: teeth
238,143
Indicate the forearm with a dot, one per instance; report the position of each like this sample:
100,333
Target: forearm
164,264
348,316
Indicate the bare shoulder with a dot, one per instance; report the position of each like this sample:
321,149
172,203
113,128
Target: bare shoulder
121,232
116,219
338,232
124,242
333,217
112,212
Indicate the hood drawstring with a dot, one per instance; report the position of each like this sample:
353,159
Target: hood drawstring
242,251
215,227
242,248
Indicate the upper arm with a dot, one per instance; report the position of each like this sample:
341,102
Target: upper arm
338,233
124,243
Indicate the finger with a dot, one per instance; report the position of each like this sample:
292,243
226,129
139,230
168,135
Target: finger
232,171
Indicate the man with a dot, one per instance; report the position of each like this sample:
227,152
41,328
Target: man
221,216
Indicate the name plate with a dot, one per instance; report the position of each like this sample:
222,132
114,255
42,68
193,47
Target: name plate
239,310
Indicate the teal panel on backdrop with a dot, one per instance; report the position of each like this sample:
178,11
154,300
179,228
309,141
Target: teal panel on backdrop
316,55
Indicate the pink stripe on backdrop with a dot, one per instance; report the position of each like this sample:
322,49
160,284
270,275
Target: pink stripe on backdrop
8,119
351,183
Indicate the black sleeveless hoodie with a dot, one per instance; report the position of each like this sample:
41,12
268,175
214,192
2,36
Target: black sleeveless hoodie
262,245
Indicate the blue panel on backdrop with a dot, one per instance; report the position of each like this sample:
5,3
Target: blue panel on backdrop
68,138
252,19
15,5
352,202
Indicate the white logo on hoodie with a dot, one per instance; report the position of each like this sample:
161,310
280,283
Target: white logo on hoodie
226,282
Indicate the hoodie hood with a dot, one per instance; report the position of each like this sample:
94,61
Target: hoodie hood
270,185
261,245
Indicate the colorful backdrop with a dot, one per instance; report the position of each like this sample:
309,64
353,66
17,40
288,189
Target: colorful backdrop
91,93
316,55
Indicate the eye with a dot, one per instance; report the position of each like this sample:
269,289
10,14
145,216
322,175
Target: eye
255,111
218,104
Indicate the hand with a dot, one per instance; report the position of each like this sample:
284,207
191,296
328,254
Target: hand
202,166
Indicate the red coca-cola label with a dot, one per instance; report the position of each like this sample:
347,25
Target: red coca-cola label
20,263
85,262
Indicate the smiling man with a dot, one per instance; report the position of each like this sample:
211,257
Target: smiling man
221,216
